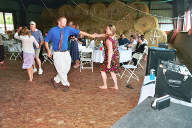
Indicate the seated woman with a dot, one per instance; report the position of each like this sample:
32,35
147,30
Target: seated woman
140,48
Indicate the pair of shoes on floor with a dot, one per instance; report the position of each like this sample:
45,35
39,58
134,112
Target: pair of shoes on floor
66,88
53,82
40,71
55,85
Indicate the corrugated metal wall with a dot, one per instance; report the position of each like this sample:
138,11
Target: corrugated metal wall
165,10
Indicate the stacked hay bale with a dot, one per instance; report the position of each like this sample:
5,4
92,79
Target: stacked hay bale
81,13
148,25
47,19
126,24
155,36
141,7
98,10
117,10
124,20
96,17
145,24
67,11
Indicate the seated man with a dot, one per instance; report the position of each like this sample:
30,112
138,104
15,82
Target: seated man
123,40
133,43
140,48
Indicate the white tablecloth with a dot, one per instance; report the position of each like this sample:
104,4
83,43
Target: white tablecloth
98,56
147,90
125,55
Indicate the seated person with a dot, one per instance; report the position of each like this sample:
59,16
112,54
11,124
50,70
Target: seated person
140,48
145,41
123,40
92,44
82,40
133,42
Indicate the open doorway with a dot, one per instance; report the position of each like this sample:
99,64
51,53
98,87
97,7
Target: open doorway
6,22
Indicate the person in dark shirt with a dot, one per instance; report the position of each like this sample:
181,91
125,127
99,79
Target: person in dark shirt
123,40
82,40
141,48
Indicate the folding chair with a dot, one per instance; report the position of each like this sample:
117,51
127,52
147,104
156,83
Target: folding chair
45,56
139,64
145,52
130,68
15,51
86,58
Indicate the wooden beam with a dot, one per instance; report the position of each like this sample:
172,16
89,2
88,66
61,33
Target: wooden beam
23,12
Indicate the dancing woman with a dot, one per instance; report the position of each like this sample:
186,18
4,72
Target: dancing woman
28,50
111,60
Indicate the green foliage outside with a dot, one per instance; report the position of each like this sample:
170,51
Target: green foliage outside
8,18
1,19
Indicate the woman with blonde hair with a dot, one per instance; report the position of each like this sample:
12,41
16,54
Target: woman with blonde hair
111,60
28,50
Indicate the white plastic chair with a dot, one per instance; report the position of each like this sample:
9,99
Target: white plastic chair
86,59
130,68
92,44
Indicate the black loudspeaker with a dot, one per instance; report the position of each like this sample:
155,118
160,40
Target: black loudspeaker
174,80
163,45
155,55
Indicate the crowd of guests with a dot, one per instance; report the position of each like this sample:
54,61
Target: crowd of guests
64,39
137,44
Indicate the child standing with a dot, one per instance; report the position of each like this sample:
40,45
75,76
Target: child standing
28,50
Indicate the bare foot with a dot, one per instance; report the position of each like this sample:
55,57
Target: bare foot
116,88
103,87
30,81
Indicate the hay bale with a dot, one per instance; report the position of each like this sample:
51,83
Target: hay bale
117,10
145,24
81,12
47,18
140,6
66,10
98,10
48,14
93,27
156,36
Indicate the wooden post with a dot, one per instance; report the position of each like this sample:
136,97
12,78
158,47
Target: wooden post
23,12
149,5
4,22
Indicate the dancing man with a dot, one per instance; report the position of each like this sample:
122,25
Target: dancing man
62,60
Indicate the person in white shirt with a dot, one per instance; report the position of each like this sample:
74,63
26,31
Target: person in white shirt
28,50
